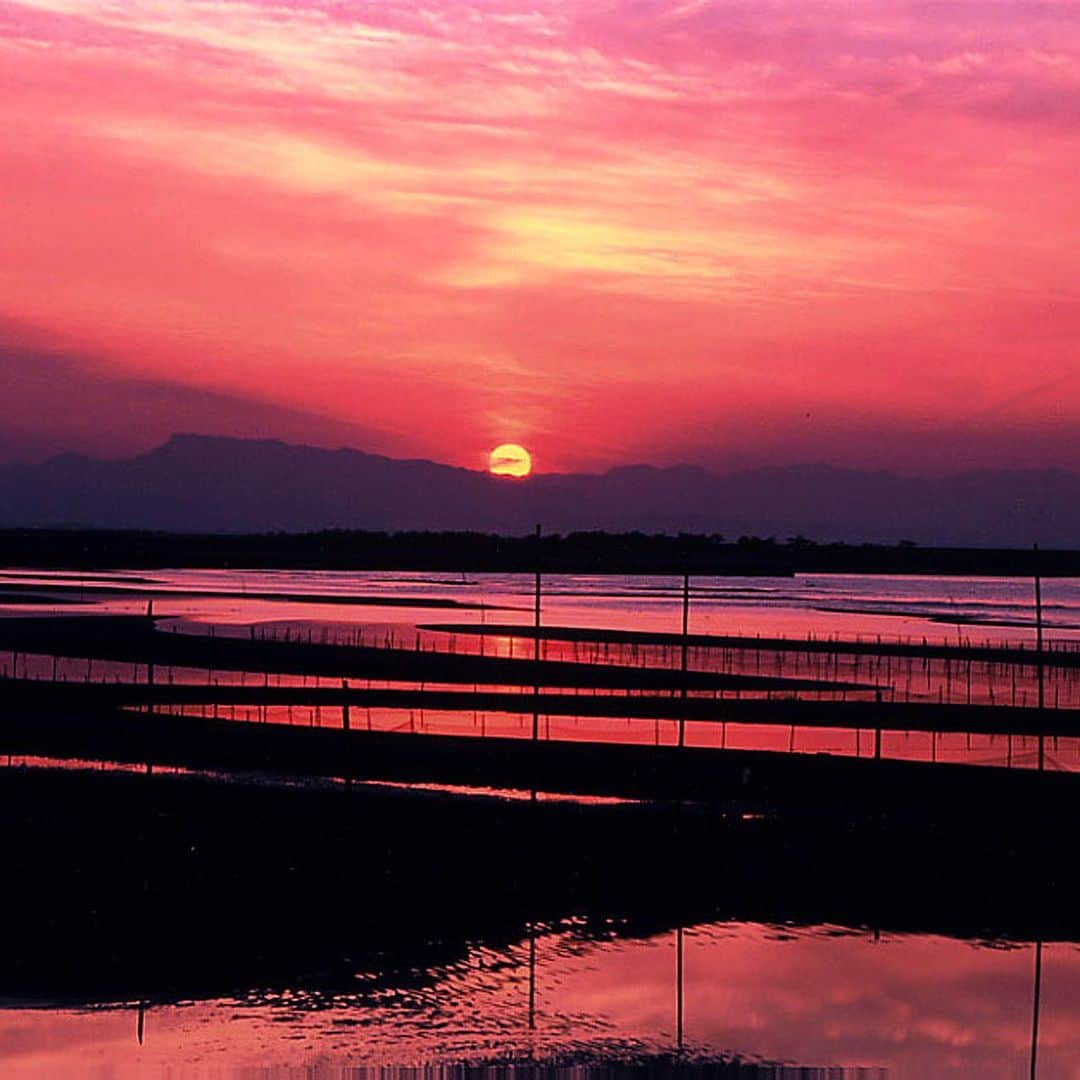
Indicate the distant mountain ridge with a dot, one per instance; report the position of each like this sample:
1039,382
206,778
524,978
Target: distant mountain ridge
195,483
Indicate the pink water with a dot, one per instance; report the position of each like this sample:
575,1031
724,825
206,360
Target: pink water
914,1005
889,608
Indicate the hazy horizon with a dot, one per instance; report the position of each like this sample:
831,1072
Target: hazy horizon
480,465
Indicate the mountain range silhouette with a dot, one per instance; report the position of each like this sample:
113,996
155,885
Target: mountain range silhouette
196,483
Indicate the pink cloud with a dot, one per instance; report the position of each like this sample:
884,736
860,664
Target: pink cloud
610,229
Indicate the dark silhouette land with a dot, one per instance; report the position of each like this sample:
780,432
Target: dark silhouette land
202,484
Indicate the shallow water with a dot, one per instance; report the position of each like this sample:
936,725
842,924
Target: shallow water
847,607
939,608
915,1005
821,997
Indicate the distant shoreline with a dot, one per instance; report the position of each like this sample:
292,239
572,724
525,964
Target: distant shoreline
467,552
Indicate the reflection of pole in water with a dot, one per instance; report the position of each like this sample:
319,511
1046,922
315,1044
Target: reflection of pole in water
679,989
1036,989
532,975
140,1022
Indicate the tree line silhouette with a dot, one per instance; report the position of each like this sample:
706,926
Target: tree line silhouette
475,552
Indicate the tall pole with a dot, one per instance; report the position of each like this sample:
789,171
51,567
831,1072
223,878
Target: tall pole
685,632
1042,701
150,662
536,646
1039,655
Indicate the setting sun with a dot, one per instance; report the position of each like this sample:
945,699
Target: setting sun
509,459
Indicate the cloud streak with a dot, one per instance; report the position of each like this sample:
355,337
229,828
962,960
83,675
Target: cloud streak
582,226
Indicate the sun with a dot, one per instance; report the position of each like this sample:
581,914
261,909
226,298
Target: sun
509,459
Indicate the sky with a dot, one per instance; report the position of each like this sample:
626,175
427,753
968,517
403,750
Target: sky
735,233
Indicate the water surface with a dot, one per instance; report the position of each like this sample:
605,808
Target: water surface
823,996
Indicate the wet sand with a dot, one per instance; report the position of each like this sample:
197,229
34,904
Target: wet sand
62,592
988,653
132,639
41,695
819,784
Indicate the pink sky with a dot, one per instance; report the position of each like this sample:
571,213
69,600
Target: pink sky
614,231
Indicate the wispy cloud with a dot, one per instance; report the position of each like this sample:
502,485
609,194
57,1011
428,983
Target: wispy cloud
854,205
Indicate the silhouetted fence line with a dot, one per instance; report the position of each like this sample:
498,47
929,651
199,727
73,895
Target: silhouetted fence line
663,675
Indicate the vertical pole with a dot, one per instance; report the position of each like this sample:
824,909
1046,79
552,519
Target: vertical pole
685,632
536,646
150,662
877,731
149,706
1039,655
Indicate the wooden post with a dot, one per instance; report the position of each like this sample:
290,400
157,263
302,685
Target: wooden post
150,662
536,646
1039,656
345,727
685,632
877,730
